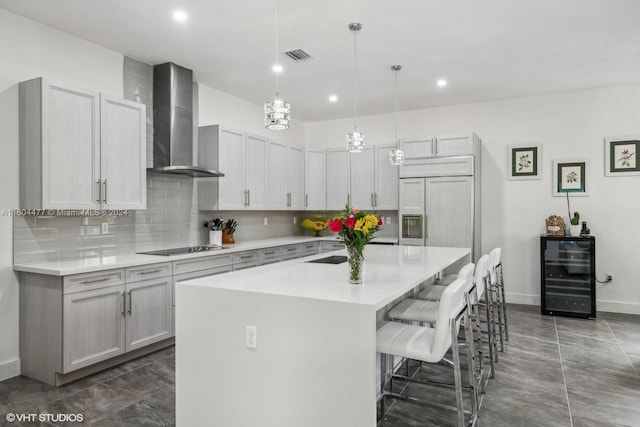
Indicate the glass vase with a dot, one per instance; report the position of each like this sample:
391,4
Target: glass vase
355,259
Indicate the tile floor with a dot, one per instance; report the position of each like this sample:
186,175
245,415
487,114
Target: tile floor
555,371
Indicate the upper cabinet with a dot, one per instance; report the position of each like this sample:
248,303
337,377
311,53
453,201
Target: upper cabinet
286,176
295,177
80,149
364,180
243,161
337,173
440,156
315,181
440,146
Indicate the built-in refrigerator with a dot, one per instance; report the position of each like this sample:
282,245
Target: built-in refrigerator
439,200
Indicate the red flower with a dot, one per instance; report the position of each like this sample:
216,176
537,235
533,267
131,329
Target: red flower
350,222
354,211
335,225
379,222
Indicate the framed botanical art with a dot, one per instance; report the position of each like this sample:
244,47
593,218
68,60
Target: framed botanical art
525,161
621,156
570,177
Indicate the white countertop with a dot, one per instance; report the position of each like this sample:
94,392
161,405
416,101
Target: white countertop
88,265
389,272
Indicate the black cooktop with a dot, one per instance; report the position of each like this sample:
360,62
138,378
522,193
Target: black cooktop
185,250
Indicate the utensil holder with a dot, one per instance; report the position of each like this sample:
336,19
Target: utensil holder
215,237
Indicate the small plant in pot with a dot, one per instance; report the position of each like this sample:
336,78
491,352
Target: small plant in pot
574,228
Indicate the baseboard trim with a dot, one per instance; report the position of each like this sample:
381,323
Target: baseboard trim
618,307
610,306
9,369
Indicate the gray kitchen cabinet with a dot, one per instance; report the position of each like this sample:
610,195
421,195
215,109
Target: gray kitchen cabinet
278,192
90,320
440,146
270,255
243,160
329,246
80,149
246,259
315,180
93,326
337,174
286,176
361,174
385,179
295,177
149,311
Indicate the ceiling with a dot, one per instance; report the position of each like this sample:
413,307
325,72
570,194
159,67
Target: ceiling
485,49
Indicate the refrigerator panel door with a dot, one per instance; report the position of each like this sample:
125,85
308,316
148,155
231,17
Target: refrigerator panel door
449,211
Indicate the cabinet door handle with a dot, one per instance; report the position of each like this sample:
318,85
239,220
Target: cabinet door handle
99,191
372,201
375,199
124,303
129,311
87,282
348,199
434,144
248,197
150,272
306,200
105,192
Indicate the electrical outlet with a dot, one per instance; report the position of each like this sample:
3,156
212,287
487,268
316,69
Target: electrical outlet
251,336
266,221
608,277
295,220
105,228
388,221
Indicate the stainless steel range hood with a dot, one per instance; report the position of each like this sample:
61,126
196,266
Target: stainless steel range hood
173,122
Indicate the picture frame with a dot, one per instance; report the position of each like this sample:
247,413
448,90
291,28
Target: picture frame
570,176
525,162
621,156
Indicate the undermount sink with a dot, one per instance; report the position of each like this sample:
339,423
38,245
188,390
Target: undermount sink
333,259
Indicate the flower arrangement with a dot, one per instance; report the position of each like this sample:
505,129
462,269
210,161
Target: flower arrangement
356,228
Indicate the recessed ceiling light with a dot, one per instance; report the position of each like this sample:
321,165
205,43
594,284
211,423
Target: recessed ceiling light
442,82
277,68
333,98
180,16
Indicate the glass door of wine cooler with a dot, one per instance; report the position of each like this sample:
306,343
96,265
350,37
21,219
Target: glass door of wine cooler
568,276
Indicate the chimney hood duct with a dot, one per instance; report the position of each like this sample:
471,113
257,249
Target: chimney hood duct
173,122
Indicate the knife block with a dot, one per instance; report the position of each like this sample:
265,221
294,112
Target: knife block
226,237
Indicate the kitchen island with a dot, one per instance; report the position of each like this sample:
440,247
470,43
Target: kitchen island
314,363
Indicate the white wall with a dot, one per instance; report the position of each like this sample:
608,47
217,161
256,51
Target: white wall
569,126
231,112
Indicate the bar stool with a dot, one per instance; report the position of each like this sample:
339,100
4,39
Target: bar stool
497,285
434,292
481,279
430,345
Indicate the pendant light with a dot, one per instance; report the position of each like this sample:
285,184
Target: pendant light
355,139
396,157
278,111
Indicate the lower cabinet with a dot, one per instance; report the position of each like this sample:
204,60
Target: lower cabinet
93,327
149,312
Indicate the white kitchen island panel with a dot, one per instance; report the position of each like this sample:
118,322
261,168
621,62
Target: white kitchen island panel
315,361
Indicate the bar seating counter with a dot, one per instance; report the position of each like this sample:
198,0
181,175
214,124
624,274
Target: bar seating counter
315,359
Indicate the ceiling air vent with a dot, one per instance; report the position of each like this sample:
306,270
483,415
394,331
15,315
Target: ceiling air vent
298,54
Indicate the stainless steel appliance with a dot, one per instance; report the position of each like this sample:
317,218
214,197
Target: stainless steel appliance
184,250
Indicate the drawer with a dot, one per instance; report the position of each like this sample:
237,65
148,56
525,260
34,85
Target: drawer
331,246
94,280
189,265
246,256
143,272
244,265
307,249
270,252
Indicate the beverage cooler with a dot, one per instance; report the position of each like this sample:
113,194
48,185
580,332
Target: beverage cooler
568,276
